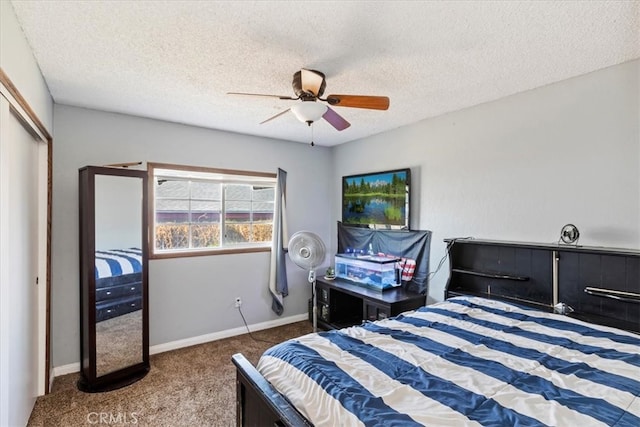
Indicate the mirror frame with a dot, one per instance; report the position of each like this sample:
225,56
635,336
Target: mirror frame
89,381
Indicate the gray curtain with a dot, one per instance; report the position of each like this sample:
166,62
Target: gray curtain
278,286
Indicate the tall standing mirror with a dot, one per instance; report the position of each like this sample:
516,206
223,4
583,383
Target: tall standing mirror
114,319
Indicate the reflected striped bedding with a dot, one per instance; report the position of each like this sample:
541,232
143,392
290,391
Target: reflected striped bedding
464,361
117,262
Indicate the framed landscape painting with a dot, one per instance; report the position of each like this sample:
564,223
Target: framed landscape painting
377,200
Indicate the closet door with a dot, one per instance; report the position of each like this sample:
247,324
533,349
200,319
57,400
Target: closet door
19,240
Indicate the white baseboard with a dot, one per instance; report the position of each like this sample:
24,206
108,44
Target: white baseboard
187,342
52,376
65,369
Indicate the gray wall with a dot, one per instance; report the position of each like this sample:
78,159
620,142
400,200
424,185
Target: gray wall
18,62
194,296
118,218
521,167
515,169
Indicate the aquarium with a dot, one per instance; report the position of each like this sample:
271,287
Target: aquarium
372,271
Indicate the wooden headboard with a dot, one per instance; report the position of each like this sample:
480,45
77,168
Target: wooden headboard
597,284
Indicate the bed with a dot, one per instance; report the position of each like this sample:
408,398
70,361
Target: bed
118,282
496,352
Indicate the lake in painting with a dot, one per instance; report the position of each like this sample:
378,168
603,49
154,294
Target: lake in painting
378,198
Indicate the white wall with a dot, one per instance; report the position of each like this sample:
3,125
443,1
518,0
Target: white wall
19,65
17,61
194,296
521,167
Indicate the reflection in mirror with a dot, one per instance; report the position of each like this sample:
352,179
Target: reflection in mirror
118,269
114,321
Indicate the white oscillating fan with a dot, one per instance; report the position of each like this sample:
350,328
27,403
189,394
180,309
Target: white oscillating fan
307,251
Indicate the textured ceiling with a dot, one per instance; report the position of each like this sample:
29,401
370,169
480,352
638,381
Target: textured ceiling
176,60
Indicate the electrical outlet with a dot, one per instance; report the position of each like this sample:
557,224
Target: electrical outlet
238,302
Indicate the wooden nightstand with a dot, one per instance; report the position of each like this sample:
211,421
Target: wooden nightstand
343,303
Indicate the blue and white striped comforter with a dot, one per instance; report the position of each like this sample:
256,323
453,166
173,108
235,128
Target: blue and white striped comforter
116,262
465,361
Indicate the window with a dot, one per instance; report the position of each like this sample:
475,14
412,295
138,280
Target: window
201,211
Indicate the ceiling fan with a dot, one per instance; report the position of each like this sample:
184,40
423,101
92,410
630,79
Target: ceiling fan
309,85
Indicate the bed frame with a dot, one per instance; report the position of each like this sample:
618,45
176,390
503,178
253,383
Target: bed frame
596,284
118,295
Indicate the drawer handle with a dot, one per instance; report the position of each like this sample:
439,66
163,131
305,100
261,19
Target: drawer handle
108,292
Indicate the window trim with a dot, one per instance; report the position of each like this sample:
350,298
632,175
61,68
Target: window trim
151,167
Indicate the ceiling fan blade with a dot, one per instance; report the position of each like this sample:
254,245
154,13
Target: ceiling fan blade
311,81
261,94
335,119
359,101
276,116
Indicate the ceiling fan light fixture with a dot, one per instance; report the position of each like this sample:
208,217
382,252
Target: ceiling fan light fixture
309,111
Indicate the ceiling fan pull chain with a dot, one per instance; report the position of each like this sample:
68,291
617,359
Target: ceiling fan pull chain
311,126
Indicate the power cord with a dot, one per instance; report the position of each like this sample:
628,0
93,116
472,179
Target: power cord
433,273
446,254
250,334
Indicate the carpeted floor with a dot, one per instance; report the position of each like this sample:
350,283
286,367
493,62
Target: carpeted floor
118,342
193,386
